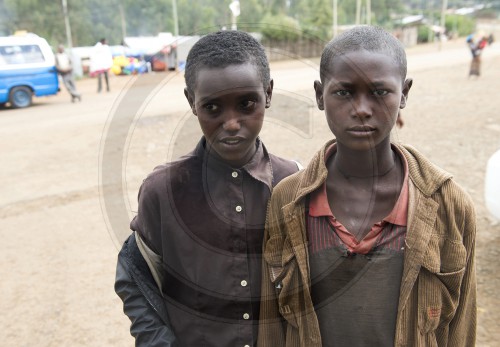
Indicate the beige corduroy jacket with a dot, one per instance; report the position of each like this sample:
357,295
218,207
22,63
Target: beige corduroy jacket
437,300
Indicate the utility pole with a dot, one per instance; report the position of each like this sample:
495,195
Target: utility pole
66,24
430,8
176,20
235,11
358,12
123,21
443,21
335,18
368,12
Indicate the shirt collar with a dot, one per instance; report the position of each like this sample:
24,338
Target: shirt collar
318,203
258,167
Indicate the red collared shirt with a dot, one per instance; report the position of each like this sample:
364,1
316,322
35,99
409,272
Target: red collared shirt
355,283
318,207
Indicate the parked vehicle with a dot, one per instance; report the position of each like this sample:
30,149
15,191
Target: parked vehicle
27,68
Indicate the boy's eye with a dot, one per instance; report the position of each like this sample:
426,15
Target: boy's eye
342,93
380,92
248,104
211,107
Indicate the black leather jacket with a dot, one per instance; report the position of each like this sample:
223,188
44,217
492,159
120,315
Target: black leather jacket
142,300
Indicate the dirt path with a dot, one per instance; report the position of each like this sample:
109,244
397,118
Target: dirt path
59,248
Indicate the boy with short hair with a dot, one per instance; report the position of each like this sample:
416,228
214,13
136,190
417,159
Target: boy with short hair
371,244
190,273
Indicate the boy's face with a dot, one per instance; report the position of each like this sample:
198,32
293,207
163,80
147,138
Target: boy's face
230,103
361,96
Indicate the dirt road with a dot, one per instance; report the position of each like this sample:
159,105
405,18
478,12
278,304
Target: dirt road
70,174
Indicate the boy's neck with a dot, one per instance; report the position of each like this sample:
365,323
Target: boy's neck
377,162
212,155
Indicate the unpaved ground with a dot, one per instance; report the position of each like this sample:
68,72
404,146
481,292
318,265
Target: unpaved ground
62,220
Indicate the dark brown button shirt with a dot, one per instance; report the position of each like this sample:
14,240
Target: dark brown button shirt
205,220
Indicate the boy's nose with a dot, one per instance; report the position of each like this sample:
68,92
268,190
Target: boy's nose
362,107
232,122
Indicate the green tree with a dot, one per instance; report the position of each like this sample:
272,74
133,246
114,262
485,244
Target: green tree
208,16
315,17
280,27
252,13
93,19
460,25
148,20
43,18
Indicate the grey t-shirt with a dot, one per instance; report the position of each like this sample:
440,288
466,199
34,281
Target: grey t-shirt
356,295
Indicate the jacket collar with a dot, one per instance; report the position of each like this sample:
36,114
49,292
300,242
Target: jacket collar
426,176
314,174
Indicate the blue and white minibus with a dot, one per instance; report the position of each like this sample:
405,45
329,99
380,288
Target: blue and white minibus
27,68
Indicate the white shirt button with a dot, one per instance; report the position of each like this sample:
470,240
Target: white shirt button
246,316
239,208
234,174
244,283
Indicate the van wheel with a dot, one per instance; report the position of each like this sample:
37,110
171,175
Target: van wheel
20,97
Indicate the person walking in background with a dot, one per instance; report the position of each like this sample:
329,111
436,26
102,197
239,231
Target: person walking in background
64,67
101,60
476,48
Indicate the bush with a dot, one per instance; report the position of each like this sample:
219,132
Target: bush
280,28
461,25
423,34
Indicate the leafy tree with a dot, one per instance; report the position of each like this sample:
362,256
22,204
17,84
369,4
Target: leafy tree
317,20
461,25
148,20
92,19
5,14
382,11
252,13
280,28
42,17
202,18
277,7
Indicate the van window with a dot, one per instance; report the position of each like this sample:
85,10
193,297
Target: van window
20,54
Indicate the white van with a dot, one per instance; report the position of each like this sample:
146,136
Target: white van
27,68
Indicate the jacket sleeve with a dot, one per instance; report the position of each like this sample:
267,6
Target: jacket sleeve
271,323
142,302
462,329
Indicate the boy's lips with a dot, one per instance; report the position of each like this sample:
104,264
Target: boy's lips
232,140
361,130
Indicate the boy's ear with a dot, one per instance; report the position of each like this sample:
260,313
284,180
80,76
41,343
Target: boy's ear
190,99
269,93
404,95
318,88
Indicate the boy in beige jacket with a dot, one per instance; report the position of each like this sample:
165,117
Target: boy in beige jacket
371,244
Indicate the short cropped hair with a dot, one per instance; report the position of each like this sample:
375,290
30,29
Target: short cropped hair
370,38
222,49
